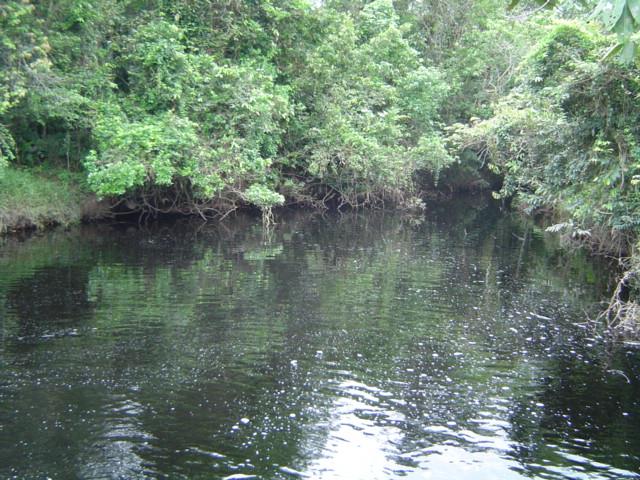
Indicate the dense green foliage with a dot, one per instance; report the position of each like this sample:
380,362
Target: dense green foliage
193,106
620,17
196,106
567,137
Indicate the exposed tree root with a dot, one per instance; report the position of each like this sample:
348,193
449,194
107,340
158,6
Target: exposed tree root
622,316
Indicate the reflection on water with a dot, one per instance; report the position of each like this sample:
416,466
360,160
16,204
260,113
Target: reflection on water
360,346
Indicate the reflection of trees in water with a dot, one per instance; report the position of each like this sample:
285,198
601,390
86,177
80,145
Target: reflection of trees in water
200,326
45,303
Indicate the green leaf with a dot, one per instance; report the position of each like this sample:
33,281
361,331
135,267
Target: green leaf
624,25
611,12
613,51
634,8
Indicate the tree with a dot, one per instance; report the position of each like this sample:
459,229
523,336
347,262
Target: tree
620,17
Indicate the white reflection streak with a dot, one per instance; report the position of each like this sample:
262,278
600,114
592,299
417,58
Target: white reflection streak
117,457
358,445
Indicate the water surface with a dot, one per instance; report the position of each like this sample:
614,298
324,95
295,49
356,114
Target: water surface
362,346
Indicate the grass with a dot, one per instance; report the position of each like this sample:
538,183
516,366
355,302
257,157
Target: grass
35,200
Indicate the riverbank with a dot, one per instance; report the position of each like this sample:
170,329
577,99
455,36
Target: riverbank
34,201
30,200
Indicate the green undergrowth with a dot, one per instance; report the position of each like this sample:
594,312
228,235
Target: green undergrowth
31,200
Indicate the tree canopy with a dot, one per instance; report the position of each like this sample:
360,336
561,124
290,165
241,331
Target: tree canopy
200,106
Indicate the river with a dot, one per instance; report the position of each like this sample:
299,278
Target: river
369,345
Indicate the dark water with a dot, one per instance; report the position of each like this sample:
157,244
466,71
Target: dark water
364,346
